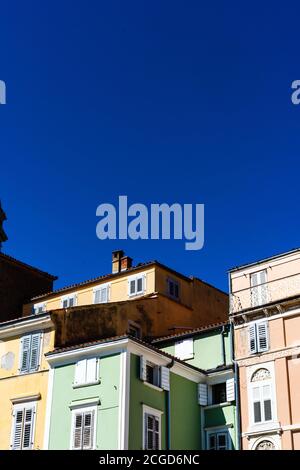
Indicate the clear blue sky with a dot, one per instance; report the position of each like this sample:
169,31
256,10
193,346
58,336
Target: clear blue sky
167,101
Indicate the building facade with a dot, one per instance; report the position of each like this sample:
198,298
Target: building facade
121,393
265,312
211,350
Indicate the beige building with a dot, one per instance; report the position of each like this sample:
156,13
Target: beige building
265,312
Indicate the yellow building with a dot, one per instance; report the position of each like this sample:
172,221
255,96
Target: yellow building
24,381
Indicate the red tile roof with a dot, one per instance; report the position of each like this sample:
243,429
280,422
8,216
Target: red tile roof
193,332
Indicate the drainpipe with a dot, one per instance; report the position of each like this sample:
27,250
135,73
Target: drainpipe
223,345
168,417
237,390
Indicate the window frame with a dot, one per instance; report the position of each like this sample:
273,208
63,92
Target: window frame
148,411
84,409
216,433
39,358
255,324
37,306
85,383
68,297
23,406
135,279
173,281
250,385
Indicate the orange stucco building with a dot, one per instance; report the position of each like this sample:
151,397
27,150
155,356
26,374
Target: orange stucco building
265,312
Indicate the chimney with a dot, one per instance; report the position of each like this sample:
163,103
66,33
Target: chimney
116,260
126,263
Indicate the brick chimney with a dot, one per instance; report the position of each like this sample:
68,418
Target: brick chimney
126,263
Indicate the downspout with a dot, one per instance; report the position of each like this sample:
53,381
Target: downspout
223,346
168,417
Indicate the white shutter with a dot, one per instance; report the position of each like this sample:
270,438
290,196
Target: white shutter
80,372
230,390
17,429
262,336
88,430
35,352
28,426
104,295
143,369
165,378
252,338
91,370
77,430
202,394
97,296
25,353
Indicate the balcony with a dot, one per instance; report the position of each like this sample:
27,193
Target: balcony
266,293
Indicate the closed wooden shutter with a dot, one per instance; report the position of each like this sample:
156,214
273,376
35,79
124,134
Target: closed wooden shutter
143,368
28,424
17,429
80,372
252,339
35,352
77,430
262,336
202,394
230,390
23,428
88,430
91,370
25,353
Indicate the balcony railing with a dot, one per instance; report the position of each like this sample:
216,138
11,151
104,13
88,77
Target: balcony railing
262,294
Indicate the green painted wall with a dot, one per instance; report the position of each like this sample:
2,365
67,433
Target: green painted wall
142,394
185,414
219,416
185,411
108,410
207,350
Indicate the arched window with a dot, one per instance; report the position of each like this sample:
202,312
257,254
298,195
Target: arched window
265,445
262,396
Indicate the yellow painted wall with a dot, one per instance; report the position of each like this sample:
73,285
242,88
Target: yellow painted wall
14,385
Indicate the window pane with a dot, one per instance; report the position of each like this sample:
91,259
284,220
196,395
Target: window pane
149,374
268,410
219,393
257,412
140,284
132,287
212,442
256,394
266,391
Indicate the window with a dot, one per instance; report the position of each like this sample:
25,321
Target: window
136,285
152,428
184,349
87,371
173,288
134,329
30,353
219,393
258,337
101,294
83,429
218,440
69,301
262,396
152,374
259,288
39,308
22,427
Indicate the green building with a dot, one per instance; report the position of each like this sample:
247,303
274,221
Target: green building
122,393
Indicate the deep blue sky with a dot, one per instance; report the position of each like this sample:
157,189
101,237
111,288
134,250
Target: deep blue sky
164,101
